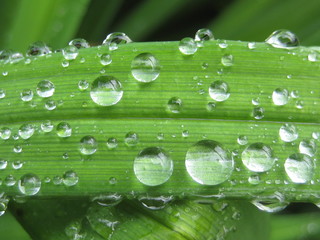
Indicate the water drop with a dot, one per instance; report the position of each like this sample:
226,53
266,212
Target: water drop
242,140
88,145
115,39
5,56
308,147
145,67
283,39
4,200
280,96
10,181
251,45
185,133
227,60
204,34
26,131
2,93
16,57
257,157
219,91
46,126
113,181
65,63
26,95
5,133
50,105
29,184
315,135
112,143
79,43
17,165
57,180
271,204
64,130
174,105
70,52
258,112
45,88
153,166
255,101
131,139
299,104
83,85
155,203
208,163
105,59
109,200
3,164
288,132
17,149
38,49
70,178
188,46
106,91
299,167
312,57
211,106
254,179
294,94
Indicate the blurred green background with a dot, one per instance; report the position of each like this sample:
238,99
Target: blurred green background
56,22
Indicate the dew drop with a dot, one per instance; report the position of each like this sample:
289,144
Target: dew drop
57,180
254,179
299,167
258,112
251,45
45,88
64,130
9,181
46,126
208,163
50,105
29,184
204,34
227,60
70,52
109,200
70,178
257,157
155,203
26,95
188,46
106,91
115,39
174,105
83,85
308,147
271,204
113,181
219,91
211,106
3,164
131,139
112,143
242,140
153,166
280,96
185,133
145,67
5,133
79,43
88,145
283,39
2,93
312,57
288,132
26,131
299,104
17,165
65,63
38,49
105,59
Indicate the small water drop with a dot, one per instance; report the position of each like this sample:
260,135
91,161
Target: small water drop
5,133
219,91
70,178
17,165
257,157
29,184
227,60
254,179
185,133
131,139
45,88
108,200
155,203
299,104
251,45
208,163
105,59
294,94
70,52
255,101
50,105
145,67
271,204
26,95
288,132
312,57
79,43
188,46
299,167
242,140
115,39
113,181
153,166
308,146
3,164
174,105
280,96
211,106
282,39
10,181
112,143
26,131
258,112
57,180
83,85
204,34
38,49
64,130
88,145
65,63
46,126
2,93
106,91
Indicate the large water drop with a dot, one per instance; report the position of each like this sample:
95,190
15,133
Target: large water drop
299,167
145,67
